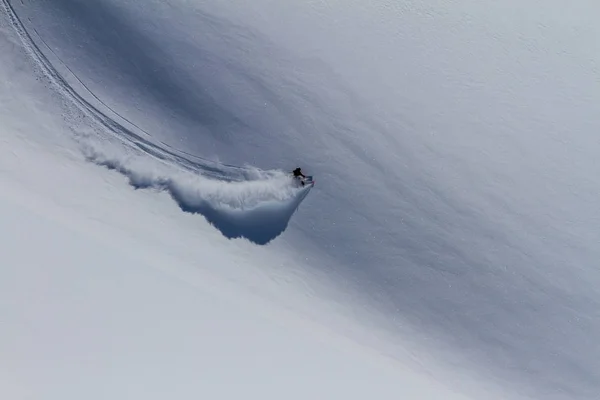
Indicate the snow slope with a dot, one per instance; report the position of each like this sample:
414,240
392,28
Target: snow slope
108,292
454,146
99,303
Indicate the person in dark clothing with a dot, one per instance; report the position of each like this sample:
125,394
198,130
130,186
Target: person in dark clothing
298,173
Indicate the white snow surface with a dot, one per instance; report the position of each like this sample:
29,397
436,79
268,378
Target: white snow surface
154,246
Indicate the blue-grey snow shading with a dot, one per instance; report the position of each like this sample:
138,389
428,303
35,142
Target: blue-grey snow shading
455,145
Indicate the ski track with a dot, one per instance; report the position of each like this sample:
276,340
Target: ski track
258,210
128,136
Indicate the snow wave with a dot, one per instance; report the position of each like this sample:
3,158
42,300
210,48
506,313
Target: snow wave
258,209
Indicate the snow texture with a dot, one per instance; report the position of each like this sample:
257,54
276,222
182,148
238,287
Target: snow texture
453,229
258,210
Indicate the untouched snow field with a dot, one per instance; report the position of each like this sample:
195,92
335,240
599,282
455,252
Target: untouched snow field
154,247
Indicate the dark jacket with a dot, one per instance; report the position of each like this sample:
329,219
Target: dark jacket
298,172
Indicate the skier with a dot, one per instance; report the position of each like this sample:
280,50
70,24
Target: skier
297,174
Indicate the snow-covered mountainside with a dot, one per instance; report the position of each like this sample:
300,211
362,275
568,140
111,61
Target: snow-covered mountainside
155,245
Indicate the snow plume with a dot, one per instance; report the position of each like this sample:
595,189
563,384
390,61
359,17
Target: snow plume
258,209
